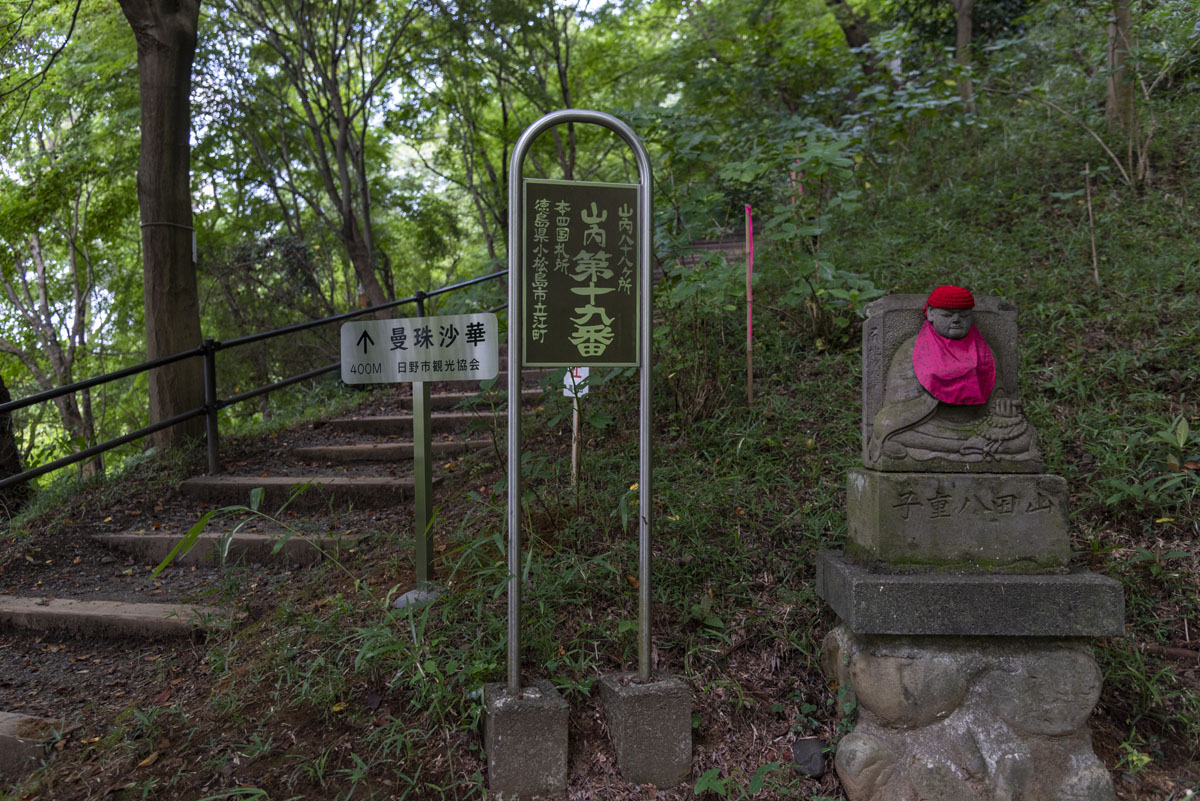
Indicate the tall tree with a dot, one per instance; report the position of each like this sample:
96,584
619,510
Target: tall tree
854,28
499,66
165,31
11,498
318,82
1118,109
963,28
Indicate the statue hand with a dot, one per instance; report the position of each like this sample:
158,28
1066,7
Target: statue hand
1006,407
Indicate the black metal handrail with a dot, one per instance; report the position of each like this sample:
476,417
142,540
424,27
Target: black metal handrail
212,404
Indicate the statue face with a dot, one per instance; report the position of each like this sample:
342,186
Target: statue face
949,323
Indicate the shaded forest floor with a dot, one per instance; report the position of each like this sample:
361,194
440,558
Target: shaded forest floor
324,693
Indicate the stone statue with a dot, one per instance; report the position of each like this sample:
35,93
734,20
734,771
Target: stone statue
961,623
942,405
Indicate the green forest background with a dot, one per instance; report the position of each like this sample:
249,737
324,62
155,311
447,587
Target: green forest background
336,141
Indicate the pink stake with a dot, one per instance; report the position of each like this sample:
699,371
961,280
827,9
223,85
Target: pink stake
749,304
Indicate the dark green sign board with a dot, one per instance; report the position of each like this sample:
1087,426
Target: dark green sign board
580,276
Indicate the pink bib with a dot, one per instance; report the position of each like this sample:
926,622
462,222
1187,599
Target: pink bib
958,371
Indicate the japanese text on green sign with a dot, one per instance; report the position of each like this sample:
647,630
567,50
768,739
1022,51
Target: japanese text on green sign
580,274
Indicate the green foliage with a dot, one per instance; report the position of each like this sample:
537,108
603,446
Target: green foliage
1174,491
933,21
771,778
70,299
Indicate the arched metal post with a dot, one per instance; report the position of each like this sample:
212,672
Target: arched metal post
516,215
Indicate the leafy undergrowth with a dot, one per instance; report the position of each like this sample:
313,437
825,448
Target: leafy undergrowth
331,694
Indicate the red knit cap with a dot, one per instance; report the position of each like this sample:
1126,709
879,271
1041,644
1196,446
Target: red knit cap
950,297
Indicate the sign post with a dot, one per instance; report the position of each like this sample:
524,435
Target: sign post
579,294
460,347
575,385
422,475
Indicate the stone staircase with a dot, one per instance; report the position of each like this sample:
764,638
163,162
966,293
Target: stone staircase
346,466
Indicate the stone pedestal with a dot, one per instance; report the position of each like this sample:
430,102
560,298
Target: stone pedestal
963,633
1007,522
525,739
874,601
970,685
651,728
968,718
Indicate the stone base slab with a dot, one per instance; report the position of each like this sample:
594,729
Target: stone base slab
965,604
983,719
958,521
651,728
525,739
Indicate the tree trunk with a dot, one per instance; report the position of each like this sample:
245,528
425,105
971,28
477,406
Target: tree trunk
166,43
360,259
1118,108
11,498
963,10
855,32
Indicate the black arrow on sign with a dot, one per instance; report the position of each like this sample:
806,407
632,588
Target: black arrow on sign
363,340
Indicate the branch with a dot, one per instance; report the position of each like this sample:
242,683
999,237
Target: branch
1074,119
40,75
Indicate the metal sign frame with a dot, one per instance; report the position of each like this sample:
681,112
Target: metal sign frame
516,218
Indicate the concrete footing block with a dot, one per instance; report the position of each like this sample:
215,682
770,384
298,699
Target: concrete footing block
651,727
526,741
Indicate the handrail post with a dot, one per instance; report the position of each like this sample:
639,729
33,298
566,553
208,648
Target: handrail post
422,474
211,432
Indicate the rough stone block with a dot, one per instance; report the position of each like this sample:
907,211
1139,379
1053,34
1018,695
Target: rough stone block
650,726
957,520
526,741
23,741
1077,604
110,618
968,718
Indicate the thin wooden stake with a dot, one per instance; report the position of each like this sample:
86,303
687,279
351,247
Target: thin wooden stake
1087,182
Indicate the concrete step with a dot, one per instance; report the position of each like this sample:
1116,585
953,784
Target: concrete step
451,400
383,451
108,618
530,376
24,740
402,424
297,550
364,492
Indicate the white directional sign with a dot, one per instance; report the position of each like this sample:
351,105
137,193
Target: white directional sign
457,347
575,381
